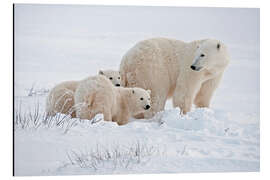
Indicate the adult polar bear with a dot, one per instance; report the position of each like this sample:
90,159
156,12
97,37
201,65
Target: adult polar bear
187,72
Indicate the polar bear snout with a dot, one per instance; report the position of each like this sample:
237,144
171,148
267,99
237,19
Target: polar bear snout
192,67
117,85
195,68
147,107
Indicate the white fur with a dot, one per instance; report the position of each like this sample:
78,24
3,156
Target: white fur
61,97
164,66
96,95
113,76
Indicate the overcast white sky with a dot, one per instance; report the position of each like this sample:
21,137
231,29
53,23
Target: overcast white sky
100,35
230,24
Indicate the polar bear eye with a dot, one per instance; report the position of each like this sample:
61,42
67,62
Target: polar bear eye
118,77
141,99
202,55
110,78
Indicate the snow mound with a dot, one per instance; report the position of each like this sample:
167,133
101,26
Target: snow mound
201,119
204,120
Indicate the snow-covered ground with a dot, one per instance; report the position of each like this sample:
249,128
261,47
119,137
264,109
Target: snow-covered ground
57,43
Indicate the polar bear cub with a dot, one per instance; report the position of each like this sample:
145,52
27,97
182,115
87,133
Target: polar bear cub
96,95
61,97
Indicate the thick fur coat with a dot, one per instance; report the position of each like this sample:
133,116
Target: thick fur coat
173,68
96,95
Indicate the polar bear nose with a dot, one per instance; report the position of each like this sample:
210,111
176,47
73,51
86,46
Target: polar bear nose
147,106
193,67
117,85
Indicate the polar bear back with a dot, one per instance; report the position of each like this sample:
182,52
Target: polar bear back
61,98
158,56
91,85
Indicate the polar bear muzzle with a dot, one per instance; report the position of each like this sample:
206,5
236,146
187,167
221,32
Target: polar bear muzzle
147,107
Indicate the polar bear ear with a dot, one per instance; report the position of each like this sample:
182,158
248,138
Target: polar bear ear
101,72
218,46
149,91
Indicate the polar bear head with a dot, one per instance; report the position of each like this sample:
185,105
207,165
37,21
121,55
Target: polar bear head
140,100
113,76
210,54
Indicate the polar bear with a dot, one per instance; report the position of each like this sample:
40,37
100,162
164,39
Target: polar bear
96,95
61,97
113,76
187,72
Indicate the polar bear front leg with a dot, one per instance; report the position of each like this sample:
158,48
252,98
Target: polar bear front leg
183,101
107,115
185,92
203,98
121,120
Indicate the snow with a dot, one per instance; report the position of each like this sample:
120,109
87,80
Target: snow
58,43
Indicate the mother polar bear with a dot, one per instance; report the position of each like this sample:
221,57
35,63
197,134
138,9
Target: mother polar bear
187,72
